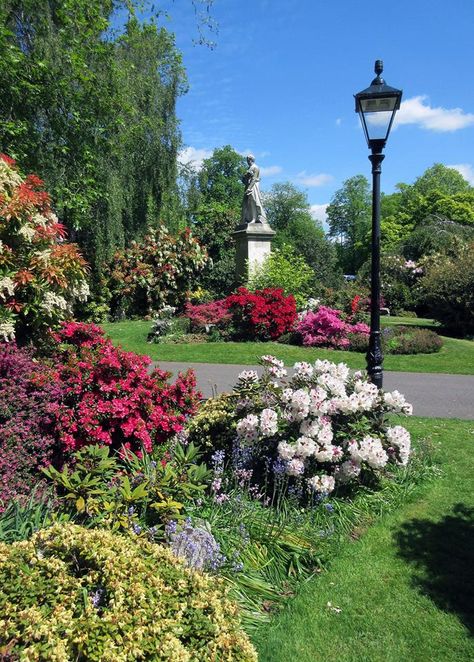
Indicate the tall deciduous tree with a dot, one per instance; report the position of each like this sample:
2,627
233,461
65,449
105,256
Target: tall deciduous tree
349,221
91,111
214,206
289,213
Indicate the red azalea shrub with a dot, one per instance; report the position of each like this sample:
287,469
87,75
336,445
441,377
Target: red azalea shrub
204,314
326,328
261,315
109,397
29,393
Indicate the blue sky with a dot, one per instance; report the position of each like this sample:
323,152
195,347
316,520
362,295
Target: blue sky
281,80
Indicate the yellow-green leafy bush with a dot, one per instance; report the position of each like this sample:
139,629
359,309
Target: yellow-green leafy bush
70,593
213,426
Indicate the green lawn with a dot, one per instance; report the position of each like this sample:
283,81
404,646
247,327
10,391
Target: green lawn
405,589
455,357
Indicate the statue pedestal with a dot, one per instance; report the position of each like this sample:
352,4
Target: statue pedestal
253,245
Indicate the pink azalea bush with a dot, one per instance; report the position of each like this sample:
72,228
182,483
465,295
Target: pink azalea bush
326,327
110,397
29,393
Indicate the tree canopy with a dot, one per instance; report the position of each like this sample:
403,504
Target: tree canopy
349,218
92,112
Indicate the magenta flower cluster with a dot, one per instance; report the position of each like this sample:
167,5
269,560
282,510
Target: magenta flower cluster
327,328
28,394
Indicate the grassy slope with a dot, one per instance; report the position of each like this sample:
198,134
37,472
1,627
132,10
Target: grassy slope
456,356
406,588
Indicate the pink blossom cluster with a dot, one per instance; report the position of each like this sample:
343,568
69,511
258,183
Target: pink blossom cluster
109,397
326,327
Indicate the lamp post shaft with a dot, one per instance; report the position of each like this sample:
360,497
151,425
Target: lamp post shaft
374,355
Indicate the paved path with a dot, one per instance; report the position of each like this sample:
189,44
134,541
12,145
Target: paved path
432,394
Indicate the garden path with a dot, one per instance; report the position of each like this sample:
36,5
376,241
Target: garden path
431,394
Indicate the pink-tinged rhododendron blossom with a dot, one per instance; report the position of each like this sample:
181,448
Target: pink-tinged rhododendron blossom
322,427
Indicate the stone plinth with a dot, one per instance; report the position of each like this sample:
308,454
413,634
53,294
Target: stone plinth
253,244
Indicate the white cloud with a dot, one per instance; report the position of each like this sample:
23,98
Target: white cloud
270,170
313,180
193,156
338,121
318,212
418,111
466,170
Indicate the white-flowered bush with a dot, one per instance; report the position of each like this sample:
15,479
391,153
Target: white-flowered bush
320,428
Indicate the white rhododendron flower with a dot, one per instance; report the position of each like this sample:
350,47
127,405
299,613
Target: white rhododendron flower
303,369
325,453
347,471
248,376
332,384
295,467
325,435
247,428
268,422
399,437
396,402
286,451
310,417
369,450
311,428
305,447
322,484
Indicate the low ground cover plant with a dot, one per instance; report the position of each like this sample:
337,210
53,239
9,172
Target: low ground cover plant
108,598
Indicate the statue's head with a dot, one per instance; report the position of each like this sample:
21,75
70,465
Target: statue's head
250,159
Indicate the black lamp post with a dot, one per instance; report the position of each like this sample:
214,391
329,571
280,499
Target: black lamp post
376,106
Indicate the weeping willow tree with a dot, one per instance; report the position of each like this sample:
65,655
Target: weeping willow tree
88,102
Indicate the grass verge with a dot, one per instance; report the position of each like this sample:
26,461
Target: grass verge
456,356
405,589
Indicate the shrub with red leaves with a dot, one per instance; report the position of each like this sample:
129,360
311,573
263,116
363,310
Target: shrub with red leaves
29,393
109,397
261,315
204,314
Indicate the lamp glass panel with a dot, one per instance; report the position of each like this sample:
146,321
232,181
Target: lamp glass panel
377,124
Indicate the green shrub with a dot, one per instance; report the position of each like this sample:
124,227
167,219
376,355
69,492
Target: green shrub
446,290
406,340
213,426
70,593
133,493
398,277
400,340
160,270
287,270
